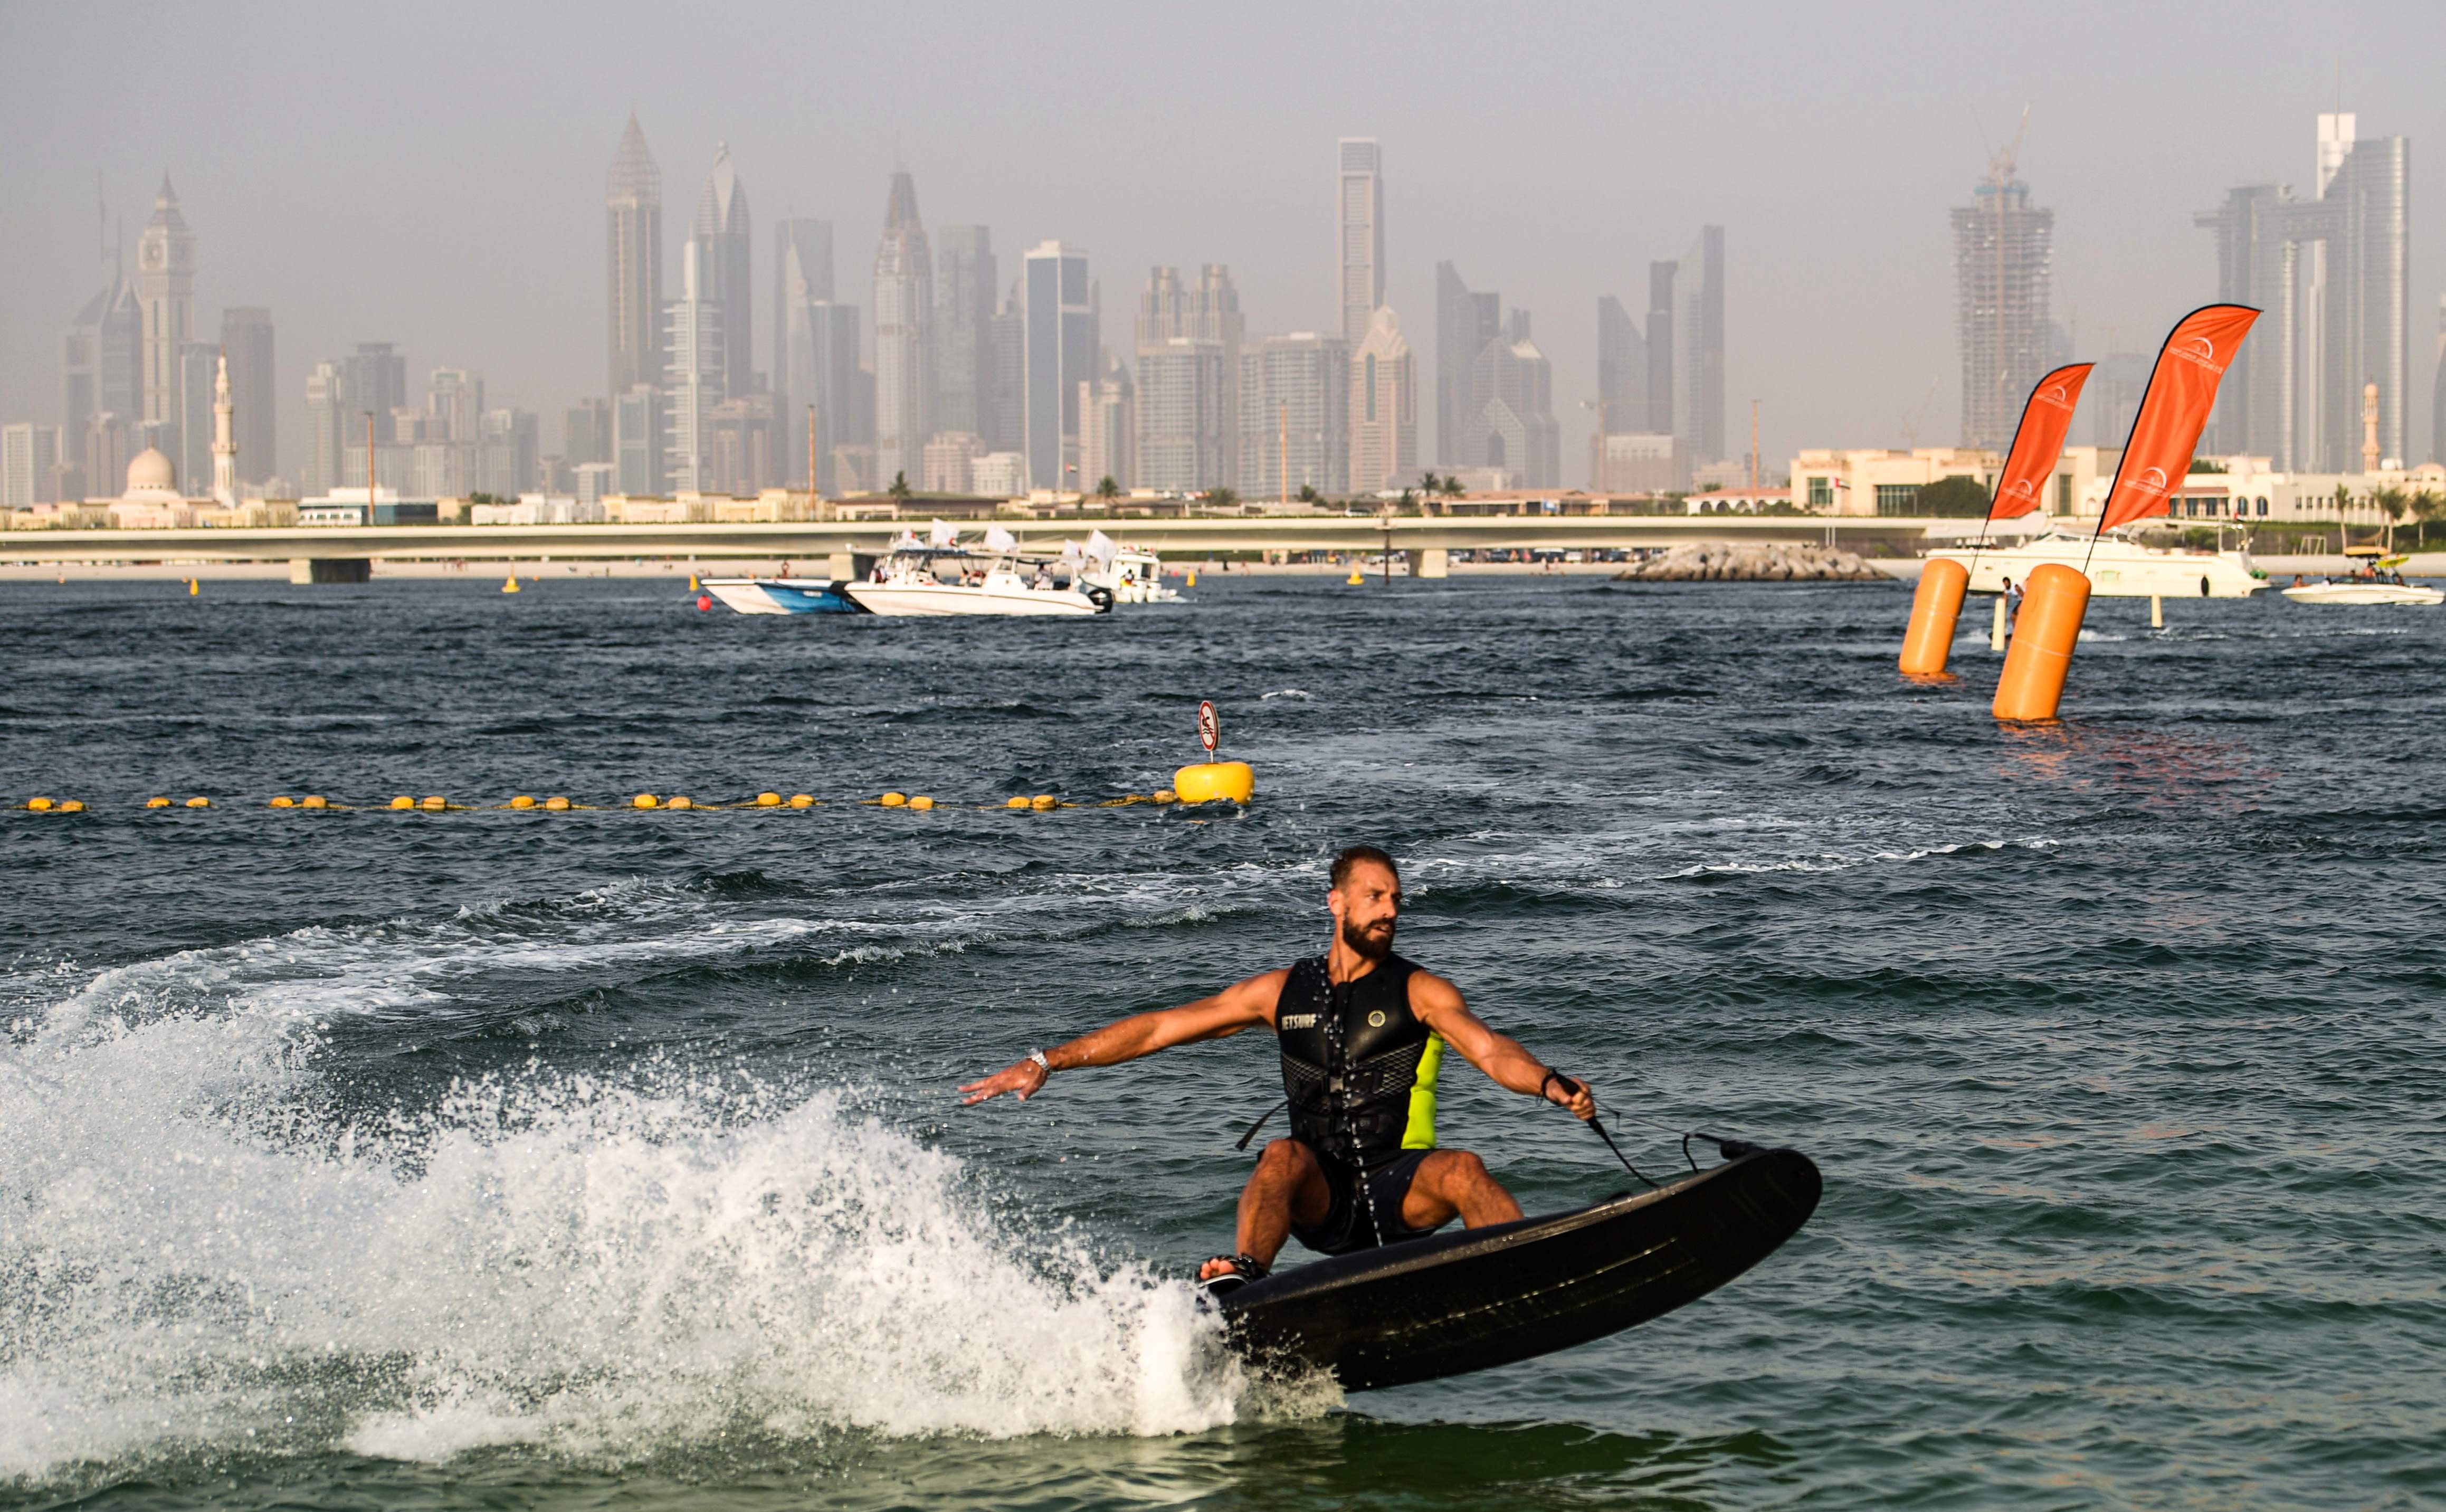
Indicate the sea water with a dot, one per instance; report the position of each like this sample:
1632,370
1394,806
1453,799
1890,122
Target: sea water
490,1158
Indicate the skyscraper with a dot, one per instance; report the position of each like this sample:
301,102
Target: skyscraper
1660,348
637,441
1622,372
1060,354
1108,431
455,398
246,340
723,268
1515,430
903,315
1361,259
199,367
1383,408
802,280
166,291
2003,253
2437,393
327,429
1699,340
1006,413
28,454
586,433
2333,274
1189,376
963,310
1295,416
1465,322
634,228
372,379
103,360
692,377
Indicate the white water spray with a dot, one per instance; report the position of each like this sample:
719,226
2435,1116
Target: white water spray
192,1256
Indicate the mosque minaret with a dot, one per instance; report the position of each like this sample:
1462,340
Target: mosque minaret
224,440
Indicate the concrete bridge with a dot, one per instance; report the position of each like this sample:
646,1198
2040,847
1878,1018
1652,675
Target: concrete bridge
339,552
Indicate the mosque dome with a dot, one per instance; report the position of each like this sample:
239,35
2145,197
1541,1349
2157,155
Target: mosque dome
151,472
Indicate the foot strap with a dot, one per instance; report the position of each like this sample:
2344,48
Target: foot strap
1245,1268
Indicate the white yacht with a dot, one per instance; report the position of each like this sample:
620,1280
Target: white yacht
2118,566
2377,582
936,580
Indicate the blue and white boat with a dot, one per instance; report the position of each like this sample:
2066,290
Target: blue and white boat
779,595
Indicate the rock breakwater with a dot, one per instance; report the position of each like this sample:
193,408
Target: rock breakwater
1779,561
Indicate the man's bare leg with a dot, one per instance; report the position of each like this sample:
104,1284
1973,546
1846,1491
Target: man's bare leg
1455,1182
1286,1188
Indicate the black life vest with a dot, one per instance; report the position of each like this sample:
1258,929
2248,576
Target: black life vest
1359,1068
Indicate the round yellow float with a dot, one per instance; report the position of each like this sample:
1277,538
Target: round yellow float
768,800
200,802
314,801
556,805
434,804
522,801
644,801
157,803
403,801
921,801
803,800
1209,782
893,800
284,801
682,801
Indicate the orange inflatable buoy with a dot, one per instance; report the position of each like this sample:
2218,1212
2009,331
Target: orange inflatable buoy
704,602
2054,600
1928,641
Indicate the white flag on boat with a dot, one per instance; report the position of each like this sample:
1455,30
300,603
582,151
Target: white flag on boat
998,538
942,534
1100,547
908,538
1069,551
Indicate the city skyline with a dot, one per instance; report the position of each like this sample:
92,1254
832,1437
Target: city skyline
1836,355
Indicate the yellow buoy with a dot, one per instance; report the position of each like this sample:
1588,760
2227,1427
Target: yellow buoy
1042,801
692,588
433,803
1206,781
1193,577
768,800
157,803
200,802
314,801
71,806
403,801
803,800
921,801
2054,600
681,802
284,801
39,805
1356,578
1018,801
556,805
1935,607
511,586
522,801
1163,795
893,800
644,801
193,587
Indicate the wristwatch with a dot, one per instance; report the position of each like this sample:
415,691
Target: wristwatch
1038,1057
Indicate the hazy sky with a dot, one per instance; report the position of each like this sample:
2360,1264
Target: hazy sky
432,174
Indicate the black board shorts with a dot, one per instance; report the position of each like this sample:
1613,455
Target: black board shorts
1346,1225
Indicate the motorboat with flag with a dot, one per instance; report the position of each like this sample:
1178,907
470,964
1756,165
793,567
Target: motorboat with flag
1134,576
781,595
2118,564
2377,579
940,576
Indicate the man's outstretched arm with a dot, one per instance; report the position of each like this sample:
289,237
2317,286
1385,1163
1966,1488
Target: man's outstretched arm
1238,1007
1439,1005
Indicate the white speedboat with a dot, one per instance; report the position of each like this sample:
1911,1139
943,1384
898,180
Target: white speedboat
938,580
2118,566
2378,583
779,595
1135,576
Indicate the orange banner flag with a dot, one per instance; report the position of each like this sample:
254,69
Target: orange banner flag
2039,440
2182,390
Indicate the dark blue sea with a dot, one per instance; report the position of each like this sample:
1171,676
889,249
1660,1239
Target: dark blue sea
610,1158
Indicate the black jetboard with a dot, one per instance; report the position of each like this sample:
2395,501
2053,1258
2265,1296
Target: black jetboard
1456,1303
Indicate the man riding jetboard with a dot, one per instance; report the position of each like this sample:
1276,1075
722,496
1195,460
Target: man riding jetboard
1363,1035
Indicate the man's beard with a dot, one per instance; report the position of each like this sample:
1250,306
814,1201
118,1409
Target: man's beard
1374,945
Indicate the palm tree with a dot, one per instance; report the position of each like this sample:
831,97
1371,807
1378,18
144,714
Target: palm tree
899,489
2427,505
1308,494
1107,490
2397,504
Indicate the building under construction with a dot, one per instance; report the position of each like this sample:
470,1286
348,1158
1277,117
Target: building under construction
2004,251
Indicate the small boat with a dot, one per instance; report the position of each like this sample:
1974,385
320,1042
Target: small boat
781,595
914,581
2377,582
2118,566
1135,576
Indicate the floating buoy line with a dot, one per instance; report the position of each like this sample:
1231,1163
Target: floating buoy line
1221,782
